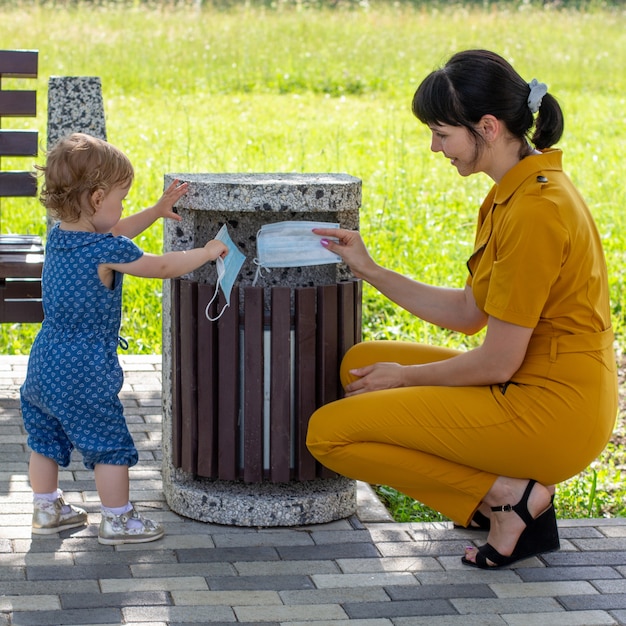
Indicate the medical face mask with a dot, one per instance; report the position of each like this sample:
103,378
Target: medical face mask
228,269
292,244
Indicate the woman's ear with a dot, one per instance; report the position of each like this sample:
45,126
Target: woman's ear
490,127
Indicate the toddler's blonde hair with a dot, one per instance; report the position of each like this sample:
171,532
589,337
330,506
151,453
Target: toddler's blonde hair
76,167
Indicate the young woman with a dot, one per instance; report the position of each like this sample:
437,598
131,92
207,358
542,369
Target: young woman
70,395
484,435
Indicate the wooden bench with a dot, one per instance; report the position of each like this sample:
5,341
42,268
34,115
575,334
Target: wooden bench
21,256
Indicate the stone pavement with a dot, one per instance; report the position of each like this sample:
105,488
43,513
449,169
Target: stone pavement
366,570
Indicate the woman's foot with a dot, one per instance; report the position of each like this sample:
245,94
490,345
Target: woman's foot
530,531
482,516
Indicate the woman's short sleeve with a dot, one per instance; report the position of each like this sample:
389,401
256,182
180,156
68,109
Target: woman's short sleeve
530,247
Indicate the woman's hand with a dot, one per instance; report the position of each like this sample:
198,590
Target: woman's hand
376,377
350,248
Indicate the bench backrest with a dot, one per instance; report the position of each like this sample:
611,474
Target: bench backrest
21,256
22,103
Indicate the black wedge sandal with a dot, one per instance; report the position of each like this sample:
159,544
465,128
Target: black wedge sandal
540,535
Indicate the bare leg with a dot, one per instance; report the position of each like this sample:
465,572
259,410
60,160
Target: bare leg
112,484
505,527
43,473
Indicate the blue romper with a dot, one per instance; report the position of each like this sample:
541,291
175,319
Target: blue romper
70,395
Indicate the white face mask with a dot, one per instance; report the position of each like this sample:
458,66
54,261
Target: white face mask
292,244
227,270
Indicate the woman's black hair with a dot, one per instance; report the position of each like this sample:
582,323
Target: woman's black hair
475,83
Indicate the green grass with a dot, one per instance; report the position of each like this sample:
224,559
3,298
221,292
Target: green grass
294,87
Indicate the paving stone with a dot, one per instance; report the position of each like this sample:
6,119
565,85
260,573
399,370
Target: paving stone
264,582
134,598
335,596
592,572
424,592
581,618
114,585
292,612
605,602
408,608
74,617
181,614
332,551
227,554
226,598
277,568
451,620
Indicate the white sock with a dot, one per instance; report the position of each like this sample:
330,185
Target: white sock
48,497
120,510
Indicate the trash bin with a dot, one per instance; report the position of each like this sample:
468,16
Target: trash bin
238,392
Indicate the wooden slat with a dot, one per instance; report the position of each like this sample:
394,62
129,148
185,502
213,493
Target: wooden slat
207,384
228,385
18,143
189,375
328,357
14,289
23,311
176,400
346,321
17,184
20,243
18,63
253,385
18,103
20,265
327,333
280,389
358,311
305,380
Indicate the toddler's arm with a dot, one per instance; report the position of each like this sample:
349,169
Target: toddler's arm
135,224
168,265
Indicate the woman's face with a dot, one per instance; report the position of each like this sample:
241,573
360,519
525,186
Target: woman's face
458,145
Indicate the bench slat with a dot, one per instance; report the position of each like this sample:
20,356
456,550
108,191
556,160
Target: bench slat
17,185
18,63
18,143
18,103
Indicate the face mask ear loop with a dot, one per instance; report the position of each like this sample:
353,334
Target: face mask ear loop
217,287
259,271
208,306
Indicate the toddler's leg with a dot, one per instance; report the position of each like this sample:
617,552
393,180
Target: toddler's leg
121,523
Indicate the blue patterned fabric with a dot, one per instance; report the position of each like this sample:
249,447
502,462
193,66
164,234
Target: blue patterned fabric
70,395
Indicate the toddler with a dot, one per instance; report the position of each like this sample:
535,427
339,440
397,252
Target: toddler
70,395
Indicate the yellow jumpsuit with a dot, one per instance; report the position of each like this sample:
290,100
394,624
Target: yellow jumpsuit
538,263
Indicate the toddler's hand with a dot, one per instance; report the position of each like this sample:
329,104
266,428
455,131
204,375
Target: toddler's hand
171,195
216,248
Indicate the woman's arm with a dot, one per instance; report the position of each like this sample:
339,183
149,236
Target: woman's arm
451,308
135,224
494,362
